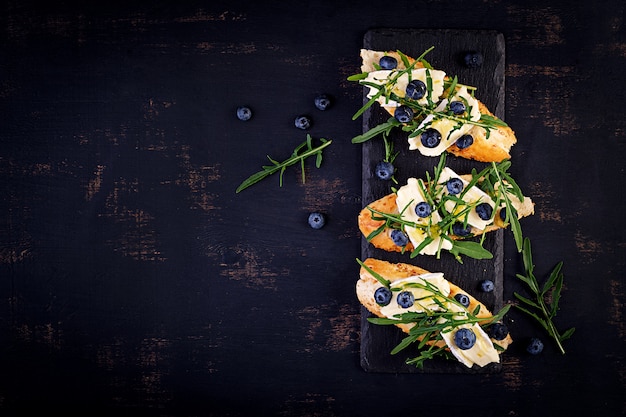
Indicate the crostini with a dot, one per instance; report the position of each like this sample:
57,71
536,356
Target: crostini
440,316
445,211
439,113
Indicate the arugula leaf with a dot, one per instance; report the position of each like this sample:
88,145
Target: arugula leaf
381,128
300,153
472,249
376,275
540,308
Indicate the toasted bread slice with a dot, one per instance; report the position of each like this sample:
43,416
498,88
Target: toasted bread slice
492,145
388,204
367,285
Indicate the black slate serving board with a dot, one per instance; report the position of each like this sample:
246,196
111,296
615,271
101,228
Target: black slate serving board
450,47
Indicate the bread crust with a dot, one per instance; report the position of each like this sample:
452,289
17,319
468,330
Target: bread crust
367,285
495,148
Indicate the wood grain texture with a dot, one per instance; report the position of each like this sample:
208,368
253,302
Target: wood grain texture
450,47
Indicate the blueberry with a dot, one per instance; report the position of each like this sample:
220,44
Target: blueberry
464,141
459,230
535,346
423,209
302,122
484,211
487,285
244,113
503,213
464,338
473,59
463,299
431,138
388,62
384,170
403,114
317,220
322,102
399,237
454,185
415,89
382,296
405,299
457,107
498,331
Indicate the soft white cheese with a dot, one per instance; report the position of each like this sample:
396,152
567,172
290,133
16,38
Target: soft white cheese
408,196
471,197
424,298
482,353
395,82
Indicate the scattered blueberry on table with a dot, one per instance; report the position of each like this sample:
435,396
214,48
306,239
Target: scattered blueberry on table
487,285
244,113
322,101
473,59
302,122
535,346
317,220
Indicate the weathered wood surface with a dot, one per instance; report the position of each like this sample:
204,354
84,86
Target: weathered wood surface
134,281
450,46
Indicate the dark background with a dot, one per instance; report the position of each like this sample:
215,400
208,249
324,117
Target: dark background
134,281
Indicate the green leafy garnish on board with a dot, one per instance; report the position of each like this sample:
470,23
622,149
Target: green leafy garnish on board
546,298
299,155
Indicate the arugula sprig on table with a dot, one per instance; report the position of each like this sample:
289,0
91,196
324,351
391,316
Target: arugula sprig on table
428,326
541,309
299,155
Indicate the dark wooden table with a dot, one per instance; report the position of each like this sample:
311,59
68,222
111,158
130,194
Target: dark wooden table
135,281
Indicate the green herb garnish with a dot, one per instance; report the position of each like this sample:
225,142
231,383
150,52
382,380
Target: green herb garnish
300,153
546,303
